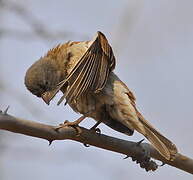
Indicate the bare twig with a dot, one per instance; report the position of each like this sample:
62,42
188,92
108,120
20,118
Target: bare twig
39,29
23,35
128,148
37,26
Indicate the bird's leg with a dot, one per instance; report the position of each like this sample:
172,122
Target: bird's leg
97,130
73,124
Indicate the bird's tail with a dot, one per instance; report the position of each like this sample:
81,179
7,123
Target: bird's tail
164,146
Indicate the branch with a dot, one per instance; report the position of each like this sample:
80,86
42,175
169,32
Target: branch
24,35
131,149
39,29
28,35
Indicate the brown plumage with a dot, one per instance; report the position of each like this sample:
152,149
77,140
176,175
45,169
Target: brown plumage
83,71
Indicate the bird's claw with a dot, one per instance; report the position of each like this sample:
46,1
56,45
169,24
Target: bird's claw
96,130
86,145
71,124
162,164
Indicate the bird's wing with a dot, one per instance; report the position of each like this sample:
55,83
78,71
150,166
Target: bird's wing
91,72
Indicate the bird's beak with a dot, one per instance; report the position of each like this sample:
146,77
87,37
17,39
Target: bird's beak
49,95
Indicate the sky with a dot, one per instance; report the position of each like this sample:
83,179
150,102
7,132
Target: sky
153,45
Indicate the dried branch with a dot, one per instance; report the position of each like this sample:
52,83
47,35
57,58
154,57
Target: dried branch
39,29
23,35
131,149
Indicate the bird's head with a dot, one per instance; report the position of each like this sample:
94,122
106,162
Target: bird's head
42,79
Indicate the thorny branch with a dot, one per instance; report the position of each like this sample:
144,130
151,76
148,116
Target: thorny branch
30,128
139,152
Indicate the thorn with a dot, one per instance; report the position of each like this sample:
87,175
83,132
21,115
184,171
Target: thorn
138,143
126,157
86,145
6,110
50,142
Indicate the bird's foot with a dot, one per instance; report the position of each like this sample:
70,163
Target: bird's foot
73,124
96,130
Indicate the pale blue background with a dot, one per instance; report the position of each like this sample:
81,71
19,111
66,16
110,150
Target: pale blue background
153,45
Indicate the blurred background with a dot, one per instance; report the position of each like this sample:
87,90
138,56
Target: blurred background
153,45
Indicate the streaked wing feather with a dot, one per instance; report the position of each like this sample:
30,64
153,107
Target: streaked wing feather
105,70
87,79
107,50
92,70
79,81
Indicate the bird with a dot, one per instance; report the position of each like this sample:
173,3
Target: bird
84,72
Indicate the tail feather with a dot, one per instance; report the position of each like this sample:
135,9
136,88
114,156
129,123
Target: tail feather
163,145
158,144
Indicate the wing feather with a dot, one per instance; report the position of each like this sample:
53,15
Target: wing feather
87,79
91,72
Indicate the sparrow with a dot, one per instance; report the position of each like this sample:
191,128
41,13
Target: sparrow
83,72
